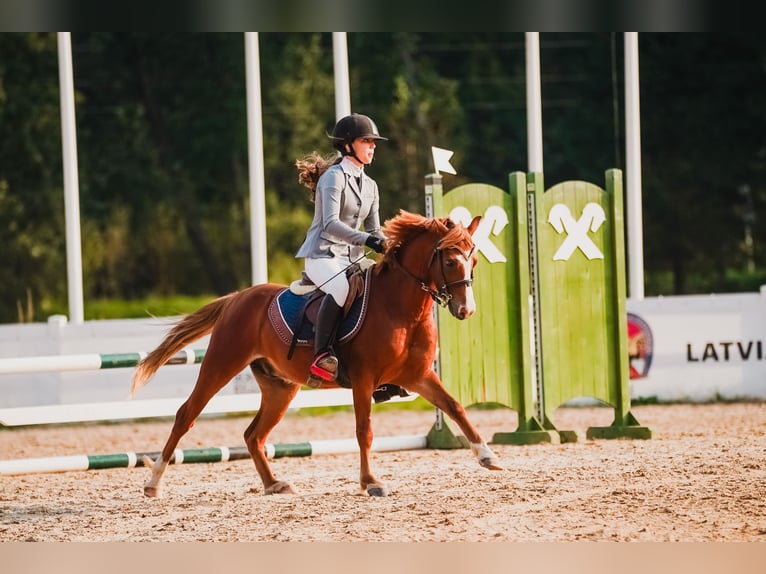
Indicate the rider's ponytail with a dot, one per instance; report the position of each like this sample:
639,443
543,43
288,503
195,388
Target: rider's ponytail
311,168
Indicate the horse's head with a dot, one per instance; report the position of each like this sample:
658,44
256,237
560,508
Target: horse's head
452,268
437,253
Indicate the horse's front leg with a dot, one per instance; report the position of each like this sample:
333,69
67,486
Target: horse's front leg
431,389
362,410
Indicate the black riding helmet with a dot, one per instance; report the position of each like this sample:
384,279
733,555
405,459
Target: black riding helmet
351,127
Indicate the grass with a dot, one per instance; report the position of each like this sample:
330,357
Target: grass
144,308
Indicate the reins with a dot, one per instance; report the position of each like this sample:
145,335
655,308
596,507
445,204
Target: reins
346,268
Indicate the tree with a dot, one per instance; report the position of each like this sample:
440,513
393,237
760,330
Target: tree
162,137
703,138
31,197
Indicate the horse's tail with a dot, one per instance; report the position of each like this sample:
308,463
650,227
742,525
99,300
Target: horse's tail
192,327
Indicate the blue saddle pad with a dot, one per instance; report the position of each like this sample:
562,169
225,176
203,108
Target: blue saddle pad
286,313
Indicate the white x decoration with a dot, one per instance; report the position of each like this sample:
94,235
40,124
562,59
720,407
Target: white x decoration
577,230
493,221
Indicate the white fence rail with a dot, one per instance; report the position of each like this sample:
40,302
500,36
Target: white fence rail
698,348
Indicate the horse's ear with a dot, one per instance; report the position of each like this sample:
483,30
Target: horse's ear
474,224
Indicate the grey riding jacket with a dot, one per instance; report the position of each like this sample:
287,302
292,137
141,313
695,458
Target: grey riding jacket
339,210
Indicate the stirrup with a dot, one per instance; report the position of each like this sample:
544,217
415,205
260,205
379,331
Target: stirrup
324,368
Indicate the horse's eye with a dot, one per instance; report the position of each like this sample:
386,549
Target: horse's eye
450,263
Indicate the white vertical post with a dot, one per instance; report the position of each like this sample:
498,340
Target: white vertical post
71,177
255,160
534,104
534,165
342,83
633,169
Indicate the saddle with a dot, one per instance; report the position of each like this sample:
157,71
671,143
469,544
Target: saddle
293,310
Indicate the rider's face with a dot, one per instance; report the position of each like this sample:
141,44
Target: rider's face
364,148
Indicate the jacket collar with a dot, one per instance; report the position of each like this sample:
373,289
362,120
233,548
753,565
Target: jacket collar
351,168
353,172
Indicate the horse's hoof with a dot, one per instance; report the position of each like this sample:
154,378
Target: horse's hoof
491,463
377,490
152,492
280,487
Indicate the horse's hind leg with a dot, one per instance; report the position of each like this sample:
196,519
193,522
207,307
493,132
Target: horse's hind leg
276,396
431,389
213,376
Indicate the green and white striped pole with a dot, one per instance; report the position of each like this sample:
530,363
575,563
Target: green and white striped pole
90,362
208,455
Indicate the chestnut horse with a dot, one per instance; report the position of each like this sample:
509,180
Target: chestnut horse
426,260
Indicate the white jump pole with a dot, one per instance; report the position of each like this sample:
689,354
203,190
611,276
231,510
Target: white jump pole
89,362
213,454
258,253
633,191
340,67
534,104
534,165
71,177
157,408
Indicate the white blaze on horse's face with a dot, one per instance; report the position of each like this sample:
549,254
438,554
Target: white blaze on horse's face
465,262
470,300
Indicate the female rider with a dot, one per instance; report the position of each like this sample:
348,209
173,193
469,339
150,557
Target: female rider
345,197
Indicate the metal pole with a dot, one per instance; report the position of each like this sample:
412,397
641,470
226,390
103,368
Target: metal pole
633,169
71,176
432,180
342,83
255,160
534,104
535,171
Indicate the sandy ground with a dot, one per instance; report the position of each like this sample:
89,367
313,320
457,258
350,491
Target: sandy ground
700,478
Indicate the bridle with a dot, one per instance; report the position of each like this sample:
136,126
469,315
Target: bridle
442,296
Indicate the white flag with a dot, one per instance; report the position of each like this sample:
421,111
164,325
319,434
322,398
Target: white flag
441,160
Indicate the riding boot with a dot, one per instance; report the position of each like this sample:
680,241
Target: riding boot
386,392
324,368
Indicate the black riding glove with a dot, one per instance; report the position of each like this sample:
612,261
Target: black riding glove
376,244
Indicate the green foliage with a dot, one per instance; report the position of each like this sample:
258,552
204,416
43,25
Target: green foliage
153,306
737,280
31,207
163,149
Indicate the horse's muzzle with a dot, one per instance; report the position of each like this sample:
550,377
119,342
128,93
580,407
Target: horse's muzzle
464,305
461,311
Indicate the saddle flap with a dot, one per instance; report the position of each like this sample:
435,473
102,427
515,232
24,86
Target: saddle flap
289,312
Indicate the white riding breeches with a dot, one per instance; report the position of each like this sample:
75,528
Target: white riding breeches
329,274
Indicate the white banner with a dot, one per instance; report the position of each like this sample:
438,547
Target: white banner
698,347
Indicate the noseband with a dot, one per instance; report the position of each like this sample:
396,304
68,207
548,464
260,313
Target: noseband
442,295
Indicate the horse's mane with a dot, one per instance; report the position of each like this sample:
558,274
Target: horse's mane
404,227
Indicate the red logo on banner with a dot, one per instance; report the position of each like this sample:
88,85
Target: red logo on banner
640,346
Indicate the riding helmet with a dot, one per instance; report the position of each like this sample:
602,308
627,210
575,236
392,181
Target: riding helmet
351,127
